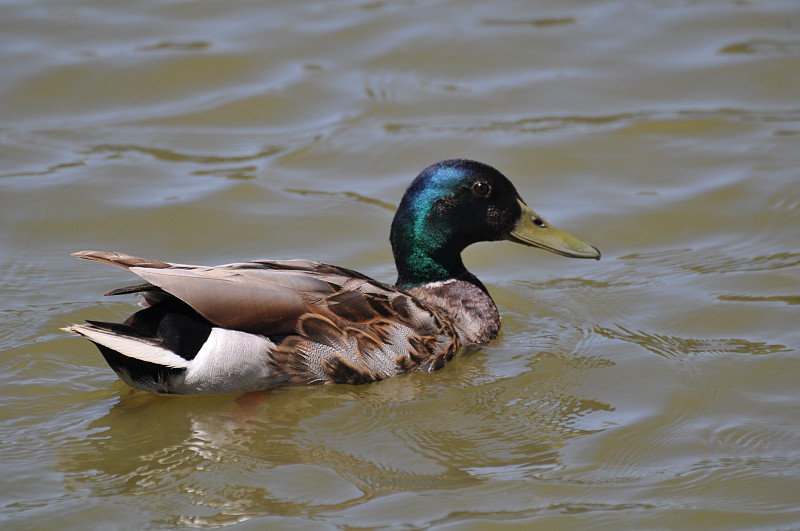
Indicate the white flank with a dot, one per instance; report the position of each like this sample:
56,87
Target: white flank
230,361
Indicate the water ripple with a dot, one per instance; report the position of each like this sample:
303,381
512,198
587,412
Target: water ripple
680,348
167,155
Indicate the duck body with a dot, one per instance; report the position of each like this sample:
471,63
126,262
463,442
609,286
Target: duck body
254,325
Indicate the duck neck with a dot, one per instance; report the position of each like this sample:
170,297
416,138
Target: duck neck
419,268
427,253
425,249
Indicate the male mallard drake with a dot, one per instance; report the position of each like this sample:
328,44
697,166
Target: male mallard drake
250,326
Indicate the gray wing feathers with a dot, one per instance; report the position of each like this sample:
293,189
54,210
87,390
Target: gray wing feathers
231,300
252,297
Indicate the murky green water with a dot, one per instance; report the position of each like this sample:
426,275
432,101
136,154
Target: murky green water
656,389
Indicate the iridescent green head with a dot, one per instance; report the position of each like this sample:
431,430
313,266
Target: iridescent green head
455,203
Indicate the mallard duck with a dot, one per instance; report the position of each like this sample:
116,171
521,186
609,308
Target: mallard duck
254,325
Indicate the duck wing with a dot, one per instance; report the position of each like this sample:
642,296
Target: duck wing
304,300
248,297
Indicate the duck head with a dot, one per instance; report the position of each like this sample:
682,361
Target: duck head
455,203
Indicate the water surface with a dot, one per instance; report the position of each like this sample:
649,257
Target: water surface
655,389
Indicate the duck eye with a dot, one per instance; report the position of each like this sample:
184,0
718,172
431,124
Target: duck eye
481,189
